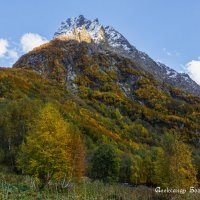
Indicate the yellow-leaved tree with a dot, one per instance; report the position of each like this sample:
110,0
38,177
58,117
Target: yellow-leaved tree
48,152
174,167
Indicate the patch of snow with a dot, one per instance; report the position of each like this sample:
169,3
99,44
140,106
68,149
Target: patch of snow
93,28
115,39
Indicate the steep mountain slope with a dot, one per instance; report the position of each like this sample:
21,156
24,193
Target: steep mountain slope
112,39
108,112
118,90
106,98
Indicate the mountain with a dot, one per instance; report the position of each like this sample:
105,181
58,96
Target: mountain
106,97
114,87
114,40
98,65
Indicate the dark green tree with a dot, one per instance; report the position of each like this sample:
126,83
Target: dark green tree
105,164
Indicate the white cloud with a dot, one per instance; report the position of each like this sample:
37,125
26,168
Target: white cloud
193,69
10,51
3,47
31,40
5,51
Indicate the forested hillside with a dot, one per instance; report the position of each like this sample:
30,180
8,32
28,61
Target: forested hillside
70,110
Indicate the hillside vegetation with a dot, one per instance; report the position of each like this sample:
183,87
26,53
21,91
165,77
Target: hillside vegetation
70,110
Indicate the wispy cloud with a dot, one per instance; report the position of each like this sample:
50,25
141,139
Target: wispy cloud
171,53
12,53
166,51
31,40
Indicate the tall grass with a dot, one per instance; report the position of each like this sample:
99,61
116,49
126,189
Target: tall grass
18,187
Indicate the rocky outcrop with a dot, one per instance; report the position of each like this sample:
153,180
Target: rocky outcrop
82,29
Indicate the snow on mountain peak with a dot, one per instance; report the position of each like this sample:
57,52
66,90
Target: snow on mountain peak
82,29
116,39
96,30
93,28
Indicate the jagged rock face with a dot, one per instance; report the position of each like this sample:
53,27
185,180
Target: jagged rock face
67,60
116,42
75,26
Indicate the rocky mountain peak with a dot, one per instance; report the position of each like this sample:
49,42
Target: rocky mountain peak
81,29
93,28
97,32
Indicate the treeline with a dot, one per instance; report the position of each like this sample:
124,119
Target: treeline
37,139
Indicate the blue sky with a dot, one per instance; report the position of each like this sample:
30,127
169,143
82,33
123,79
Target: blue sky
168,31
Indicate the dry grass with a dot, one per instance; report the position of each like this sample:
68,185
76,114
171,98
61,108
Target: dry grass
18,187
